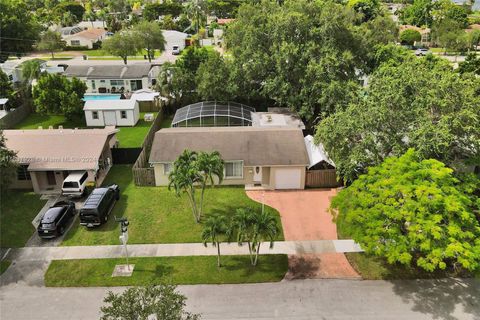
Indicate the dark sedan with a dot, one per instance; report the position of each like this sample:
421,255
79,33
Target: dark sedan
55,220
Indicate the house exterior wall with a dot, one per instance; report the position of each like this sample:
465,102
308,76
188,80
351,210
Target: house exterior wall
84,42
94,84
268,176
21,184
94,122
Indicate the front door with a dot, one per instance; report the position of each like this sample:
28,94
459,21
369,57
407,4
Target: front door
110,118
257,175
51,178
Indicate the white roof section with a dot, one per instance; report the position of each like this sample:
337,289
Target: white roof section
316,153
3,101
275,120
144,95
122,104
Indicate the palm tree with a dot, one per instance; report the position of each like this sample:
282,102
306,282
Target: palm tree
210,166
196,11
264,229
215,226
184,176
242,226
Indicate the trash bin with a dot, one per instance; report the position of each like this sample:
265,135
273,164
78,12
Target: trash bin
84,57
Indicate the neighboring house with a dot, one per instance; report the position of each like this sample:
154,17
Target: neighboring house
69,31
223,22
476,5
86,38
47,156
174,38
115,78
424,32
257,157
99,113
13,69
3,107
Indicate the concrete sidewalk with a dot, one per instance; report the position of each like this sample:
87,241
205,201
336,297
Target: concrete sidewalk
177,249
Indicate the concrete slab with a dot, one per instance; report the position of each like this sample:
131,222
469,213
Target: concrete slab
123,270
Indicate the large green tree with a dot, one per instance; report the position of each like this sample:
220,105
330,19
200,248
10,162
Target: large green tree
55,94
123,44
303,54
419,103
152,11
161,301
213,79
410,36
73,8
51,41
150,37
211,166
18,29
418,14
411,211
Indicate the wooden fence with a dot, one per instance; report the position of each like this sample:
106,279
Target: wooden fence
143,175
322,179
12,118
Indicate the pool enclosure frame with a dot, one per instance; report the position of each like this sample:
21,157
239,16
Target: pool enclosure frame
213,114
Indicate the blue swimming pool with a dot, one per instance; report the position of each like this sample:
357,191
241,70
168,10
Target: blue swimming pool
101,97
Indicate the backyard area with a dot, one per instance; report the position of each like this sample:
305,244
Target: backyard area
17,210
157,215
176,270
129,137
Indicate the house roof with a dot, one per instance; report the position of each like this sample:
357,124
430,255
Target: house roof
144,95
316,152
3,101
255,146
90,34
133,71
58,149
122,104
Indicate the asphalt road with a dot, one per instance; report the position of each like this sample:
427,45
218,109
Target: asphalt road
301,299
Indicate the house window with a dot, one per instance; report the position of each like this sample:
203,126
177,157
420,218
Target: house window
102,81
116,82
123,114
93,85
75,42
23,174
167,168
95,115
234,169
135,85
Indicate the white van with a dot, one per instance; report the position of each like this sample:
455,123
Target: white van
74,184
176,50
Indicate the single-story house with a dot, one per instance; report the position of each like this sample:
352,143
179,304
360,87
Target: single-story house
47,156
86,38
174,38
123,112
257,157
115,78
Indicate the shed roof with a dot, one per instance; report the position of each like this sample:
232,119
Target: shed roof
316,152
122,104
144,95
133,71
255,146
58,149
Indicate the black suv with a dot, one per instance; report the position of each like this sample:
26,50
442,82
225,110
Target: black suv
55,220
98,206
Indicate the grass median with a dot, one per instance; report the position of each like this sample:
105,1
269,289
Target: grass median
175,270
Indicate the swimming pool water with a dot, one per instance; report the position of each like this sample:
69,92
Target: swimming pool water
101,97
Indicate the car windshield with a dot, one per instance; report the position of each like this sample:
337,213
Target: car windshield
70,184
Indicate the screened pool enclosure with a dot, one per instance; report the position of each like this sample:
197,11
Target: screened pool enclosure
213,114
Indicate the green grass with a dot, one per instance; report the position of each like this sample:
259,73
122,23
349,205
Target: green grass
102,53
132,137
167,121
175,270
157,215
17,210
34,120
377,268
4,264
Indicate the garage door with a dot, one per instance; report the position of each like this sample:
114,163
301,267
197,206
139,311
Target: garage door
288,178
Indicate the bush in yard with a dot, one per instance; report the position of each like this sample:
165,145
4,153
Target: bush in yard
141,303
413,212
55,94
7,164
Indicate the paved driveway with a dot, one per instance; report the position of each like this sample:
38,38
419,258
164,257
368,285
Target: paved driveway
305,216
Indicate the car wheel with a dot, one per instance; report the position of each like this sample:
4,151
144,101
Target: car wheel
105,219
62,230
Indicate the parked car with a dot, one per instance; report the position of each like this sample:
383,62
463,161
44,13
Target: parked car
176,50
55,220
74,184
421,52
98,206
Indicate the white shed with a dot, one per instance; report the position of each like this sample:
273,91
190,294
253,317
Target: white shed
99,113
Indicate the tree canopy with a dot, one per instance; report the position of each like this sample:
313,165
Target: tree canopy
55,94
409,37
51,41
7,164
419,103
411,211
123,44
149,36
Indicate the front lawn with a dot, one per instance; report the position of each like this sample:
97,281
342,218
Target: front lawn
17,210
157,215
175,270
34,120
